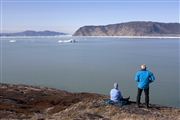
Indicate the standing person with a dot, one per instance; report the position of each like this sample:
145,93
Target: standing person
143,78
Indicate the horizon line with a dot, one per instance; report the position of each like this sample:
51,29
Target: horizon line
89,1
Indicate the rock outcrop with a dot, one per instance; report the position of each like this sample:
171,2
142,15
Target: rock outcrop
131,29
41,103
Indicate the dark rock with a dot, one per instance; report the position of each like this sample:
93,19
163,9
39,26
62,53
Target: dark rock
48,103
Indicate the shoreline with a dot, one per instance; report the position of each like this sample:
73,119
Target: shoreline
160,37
19,101
62,36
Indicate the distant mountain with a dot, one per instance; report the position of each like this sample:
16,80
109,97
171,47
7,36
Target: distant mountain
33,33
139,28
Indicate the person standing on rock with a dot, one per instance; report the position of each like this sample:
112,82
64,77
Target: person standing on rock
143,78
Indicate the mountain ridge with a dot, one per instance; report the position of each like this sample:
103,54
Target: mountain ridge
134,28
34,33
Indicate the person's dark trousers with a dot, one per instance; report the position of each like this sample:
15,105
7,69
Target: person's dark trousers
146,92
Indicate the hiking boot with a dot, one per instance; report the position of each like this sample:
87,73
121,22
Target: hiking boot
128,98
147,106
138,106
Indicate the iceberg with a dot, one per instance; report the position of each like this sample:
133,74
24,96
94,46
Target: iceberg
12,41
67,41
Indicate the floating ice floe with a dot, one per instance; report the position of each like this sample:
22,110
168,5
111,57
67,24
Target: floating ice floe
12,41
67,41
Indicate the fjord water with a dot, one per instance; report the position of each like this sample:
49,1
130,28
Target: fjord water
94,64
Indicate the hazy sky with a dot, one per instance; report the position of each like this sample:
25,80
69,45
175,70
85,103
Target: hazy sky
69,15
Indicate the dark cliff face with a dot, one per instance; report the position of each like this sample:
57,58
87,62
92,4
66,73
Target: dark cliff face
131,29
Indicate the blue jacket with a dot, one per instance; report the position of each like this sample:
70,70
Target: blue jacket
115,95
143,78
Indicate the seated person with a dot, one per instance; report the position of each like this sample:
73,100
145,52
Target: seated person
116,96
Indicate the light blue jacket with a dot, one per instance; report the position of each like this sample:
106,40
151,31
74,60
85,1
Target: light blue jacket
143,78
115,95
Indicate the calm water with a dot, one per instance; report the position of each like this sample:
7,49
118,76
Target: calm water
94,64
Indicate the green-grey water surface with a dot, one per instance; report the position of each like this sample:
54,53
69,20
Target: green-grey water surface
93,64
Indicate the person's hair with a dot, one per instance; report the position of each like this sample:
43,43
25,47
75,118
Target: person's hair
116,85
143,66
